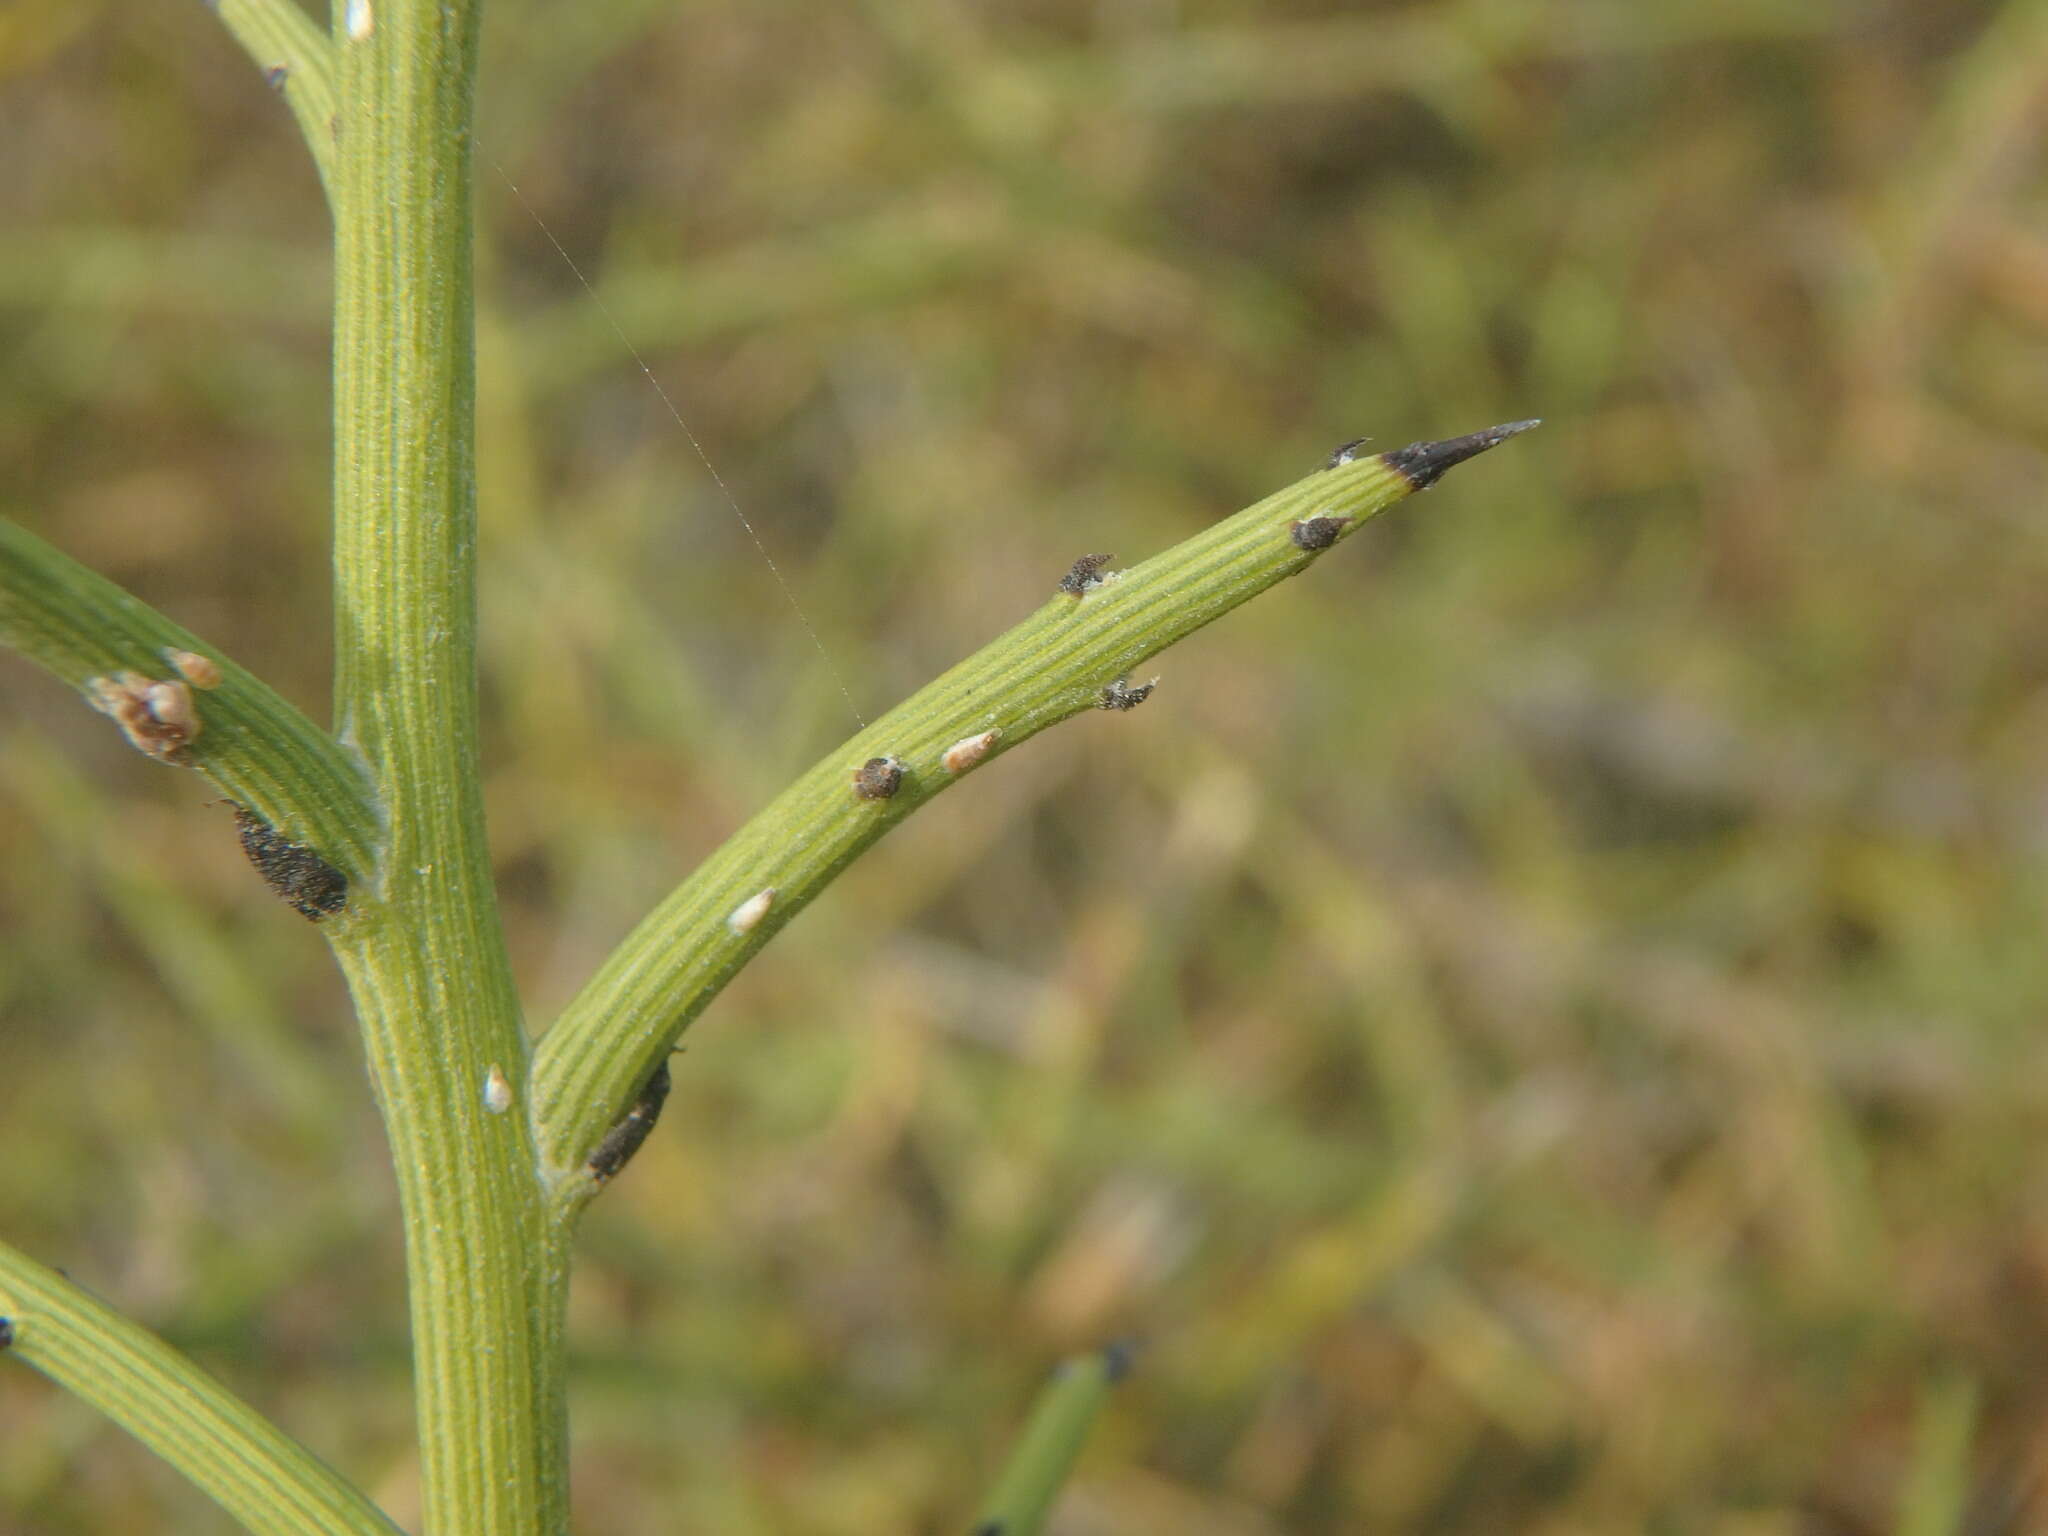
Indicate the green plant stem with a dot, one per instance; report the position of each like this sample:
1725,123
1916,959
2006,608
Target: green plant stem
252,1469
1936,1497
279,36
254,746
1066,1410
424,955
1052,666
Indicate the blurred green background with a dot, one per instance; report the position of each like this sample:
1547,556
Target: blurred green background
1537,1025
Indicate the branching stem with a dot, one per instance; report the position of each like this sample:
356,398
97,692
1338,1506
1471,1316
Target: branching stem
1072,655
252,1469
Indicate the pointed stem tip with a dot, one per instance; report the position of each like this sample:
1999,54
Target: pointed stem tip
1425,463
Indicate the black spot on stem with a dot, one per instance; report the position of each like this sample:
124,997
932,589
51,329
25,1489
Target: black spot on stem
1123,695
624,1139
1314,533
307,883
1084,575
878,778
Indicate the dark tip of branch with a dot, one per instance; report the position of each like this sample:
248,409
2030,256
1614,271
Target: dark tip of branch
1425,463
1119,1359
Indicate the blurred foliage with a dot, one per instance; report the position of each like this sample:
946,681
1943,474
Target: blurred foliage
1536,1025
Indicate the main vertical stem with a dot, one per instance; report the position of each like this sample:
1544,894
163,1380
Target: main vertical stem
421,942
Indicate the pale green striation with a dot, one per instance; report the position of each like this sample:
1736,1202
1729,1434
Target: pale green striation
298,61
490,1182
254,745
251,1468
424,952
1052,666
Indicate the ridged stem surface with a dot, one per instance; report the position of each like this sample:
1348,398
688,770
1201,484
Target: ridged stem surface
423,950
1054,665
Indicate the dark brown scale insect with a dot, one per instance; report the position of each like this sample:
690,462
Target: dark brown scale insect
6,1332
878,778
624,1139
1121,695
1084,575
1318,532
156,716
310,885
1345,453
275,76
